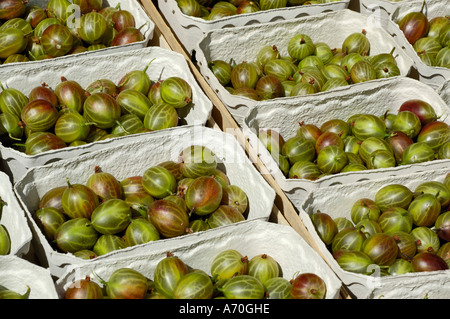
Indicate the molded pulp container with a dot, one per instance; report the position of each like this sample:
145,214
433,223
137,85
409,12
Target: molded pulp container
17,273
250,238
13,218
444,92
190,30
85,70
432,75
134,158
377,98
243,43
384,10
337,201
139,14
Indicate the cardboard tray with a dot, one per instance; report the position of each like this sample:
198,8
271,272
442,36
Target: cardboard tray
283,212
432,75
242,44
134,158
384,10
87,69
133,6
250,238
17,273
444,91
377,98
190,30
337,201
13,218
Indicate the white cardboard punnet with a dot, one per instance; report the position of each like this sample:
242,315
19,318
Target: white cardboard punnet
243,43
191,29
432,75
13,218
85,70
377,98
134,158
17,273
250,238
141,18
384,10
444,91
336,201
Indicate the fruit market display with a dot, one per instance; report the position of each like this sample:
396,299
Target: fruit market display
30,32
414,134
168,200
430,38
5,240
232,276
70,115
309,67
213,9
400,229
